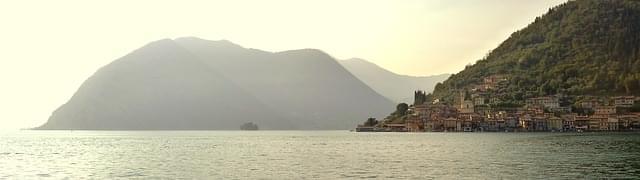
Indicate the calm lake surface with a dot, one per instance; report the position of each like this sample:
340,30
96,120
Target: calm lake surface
316,155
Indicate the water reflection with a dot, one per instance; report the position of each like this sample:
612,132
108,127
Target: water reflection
317,154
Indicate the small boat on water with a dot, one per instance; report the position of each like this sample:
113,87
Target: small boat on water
250,126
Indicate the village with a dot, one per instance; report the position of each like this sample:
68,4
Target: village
472,112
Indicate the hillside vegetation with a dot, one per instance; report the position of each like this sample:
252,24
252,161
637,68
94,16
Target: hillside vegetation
587,47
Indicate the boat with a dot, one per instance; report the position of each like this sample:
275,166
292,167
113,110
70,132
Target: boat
250,126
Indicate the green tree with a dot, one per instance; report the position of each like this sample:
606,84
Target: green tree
371,122
401,109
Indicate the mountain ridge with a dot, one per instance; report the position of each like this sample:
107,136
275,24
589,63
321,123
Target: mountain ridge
394,86
123,93
191,83
292,72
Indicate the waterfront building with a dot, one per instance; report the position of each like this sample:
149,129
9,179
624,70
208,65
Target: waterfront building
554,124
469,115
452,124
400,127
526,122
416,122
624,101
493,81
612,124
598,122
590,103
479,100
547,102
629,121
466,106
511,123
581,122
568,122
600,110
540,123
566,109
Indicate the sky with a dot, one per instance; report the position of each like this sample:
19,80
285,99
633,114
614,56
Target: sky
48,48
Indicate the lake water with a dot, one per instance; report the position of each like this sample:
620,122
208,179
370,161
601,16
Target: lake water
316,155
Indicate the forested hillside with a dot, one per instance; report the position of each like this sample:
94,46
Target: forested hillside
587,47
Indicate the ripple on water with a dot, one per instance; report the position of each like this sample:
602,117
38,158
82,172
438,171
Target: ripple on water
321,155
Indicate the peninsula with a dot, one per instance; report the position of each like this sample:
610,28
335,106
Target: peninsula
576,68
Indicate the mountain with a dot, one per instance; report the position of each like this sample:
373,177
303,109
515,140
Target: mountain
190,83
396,87
301,84
159,86
587,47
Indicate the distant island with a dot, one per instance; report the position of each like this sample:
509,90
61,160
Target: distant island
576,68
250,126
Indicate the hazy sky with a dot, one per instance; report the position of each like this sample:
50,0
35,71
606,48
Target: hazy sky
48,48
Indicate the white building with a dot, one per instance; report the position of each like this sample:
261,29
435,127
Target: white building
547,102
624,101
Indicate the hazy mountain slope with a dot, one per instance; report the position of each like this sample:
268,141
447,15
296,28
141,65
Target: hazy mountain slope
307,85
579,47
398,88
191,83
160,86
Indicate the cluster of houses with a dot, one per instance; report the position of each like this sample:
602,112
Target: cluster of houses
538,114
